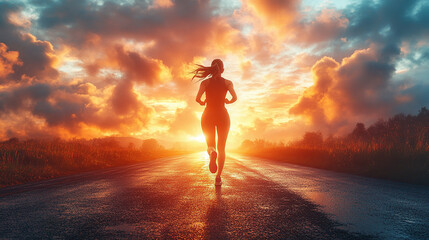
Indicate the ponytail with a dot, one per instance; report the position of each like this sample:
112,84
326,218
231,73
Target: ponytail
203,72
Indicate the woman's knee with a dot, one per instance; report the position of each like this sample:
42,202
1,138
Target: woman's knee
221,150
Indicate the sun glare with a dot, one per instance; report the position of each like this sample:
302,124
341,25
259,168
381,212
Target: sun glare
199,138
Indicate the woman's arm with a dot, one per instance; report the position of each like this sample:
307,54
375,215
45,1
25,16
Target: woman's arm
232,91
200,93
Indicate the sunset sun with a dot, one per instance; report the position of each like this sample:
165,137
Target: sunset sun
199,138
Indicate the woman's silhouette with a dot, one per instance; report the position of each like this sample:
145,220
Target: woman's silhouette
215,116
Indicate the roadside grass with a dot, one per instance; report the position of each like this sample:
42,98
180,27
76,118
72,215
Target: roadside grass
32,160
400,164
396,149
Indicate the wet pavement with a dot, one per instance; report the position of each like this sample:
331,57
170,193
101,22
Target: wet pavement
175,197
382,208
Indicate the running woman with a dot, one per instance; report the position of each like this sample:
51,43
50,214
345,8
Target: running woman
215,116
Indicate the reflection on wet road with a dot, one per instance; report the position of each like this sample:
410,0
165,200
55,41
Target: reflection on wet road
175,198
386,209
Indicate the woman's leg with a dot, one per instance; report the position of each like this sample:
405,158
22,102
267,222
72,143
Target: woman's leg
208,128
222,134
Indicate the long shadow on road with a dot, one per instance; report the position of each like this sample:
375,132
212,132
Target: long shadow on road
217,218
255,207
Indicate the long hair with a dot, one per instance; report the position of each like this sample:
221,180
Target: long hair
203,72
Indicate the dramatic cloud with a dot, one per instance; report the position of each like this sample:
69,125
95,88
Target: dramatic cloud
283,22
387,21
357,88
174,33
138,68
7,60
363,87
37,56
328,25
275,13
71,109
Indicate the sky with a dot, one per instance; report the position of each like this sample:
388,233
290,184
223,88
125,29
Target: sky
95,68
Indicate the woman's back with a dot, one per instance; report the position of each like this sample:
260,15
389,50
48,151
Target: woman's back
216,90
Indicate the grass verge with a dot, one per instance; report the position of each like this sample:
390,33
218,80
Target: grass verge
32,160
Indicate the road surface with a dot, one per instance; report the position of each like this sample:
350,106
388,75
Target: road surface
175,198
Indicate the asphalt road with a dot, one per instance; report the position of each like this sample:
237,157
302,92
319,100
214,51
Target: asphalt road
176,198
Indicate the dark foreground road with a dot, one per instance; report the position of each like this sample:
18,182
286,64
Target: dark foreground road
175,198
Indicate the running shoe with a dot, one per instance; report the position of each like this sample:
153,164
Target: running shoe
212,165
218,181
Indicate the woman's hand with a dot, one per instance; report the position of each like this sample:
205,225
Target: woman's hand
232,91
201,102
200,93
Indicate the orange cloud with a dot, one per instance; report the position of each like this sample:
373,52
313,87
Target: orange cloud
162,3
137,67
246,69
7,60
124,99
186,121
38,59
282,21
326,26
275,13
347,92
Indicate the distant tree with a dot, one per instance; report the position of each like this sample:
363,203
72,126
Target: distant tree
423,121
423,112
246,145
359,132
330,141
378,129
108,143
261,143
312,139
151,145
12,140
